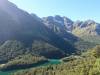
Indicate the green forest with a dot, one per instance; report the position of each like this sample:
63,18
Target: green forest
86,64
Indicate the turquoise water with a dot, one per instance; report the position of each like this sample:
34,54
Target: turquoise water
51,62
5,73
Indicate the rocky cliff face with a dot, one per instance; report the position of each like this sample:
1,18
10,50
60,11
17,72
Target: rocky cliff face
63,24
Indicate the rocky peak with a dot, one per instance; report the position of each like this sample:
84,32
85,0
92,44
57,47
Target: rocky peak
59,18
87,23
58,21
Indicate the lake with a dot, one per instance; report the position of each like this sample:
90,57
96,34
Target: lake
51,62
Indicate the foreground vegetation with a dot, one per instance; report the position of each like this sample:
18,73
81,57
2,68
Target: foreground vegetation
87,64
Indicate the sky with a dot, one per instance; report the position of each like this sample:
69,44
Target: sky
73,9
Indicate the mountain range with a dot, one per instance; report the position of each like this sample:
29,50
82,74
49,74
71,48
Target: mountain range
53,37
58,23
88,30
19,32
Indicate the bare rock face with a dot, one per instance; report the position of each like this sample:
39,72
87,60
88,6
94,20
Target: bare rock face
59,22
61,26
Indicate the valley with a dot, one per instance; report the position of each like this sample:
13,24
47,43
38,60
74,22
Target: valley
51,45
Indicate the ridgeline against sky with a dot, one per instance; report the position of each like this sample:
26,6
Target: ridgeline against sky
74,9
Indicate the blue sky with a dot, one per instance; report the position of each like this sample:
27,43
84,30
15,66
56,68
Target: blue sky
74,9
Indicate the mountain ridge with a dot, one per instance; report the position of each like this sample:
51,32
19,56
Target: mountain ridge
26,28
68,25
19,26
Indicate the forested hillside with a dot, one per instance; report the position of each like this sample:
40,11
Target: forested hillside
86,64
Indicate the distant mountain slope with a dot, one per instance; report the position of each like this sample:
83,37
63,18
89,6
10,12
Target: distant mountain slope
88,31
61,26
83,35
88,27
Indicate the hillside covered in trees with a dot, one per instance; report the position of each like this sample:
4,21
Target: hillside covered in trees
86,64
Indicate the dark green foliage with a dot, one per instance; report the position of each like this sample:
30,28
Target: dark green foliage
83,45
47,50
76,67
93,52
10,50
93,39
22,62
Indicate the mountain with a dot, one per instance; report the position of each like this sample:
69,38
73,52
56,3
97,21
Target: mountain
83,35
62,26
65,22
88,27
19,30
28,41
88,31
52,37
